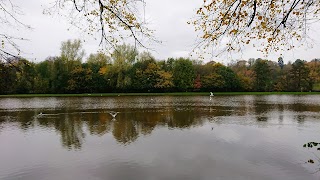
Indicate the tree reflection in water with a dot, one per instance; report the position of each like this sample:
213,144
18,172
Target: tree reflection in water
126,128
69,126
131,123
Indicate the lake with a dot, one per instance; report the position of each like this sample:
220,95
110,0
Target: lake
160,137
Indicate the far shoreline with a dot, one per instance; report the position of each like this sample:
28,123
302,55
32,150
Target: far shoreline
159,94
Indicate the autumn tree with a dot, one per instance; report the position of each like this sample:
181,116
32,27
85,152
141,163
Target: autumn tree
244,72
213,82
167,65
7,78
231,79
314,73
61,67
183,74
283,79
72,53
197,82
98,59
42,79
300,76
147,75
165,76
270,25
164,80
144,56
262,75
123,58
25,74
60,76
218,77
144,74
80,80
99,63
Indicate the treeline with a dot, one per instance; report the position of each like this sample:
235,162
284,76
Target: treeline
127,70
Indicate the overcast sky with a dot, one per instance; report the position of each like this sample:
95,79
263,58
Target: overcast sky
168,17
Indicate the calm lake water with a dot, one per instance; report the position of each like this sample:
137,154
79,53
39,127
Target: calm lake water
176,137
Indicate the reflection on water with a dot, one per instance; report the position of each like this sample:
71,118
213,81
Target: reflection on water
125,128
228,137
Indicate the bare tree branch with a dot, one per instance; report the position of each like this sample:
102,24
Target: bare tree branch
9,18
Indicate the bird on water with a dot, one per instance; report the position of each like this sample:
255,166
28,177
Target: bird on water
211,95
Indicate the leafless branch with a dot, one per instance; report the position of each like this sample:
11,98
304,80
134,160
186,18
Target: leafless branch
9,17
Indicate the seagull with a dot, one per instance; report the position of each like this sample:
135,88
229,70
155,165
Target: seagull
40,114
211,95
113,114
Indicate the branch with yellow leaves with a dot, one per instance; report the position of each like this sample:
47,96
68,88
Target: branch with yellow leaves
271,25
115,20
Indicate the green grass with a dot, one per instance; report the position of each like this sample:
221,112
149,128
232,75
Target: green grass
162,94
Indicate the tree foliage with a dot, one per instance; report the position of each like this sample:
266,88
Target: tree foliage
72,50
269,25
115,20
300,76
99,59
183,74
124,72
228,25
123,58
262,75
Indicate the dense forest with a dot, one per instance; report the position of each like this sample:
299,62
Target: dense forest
127,70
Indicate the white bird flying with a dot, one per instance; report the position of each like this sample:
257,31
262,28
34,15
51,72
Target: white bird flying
113,114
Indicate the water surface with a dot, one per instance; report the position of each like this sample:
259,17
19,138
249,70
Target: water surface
159,137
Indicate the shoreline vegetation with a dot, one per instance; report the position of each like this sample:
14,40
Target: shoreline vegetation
128,71
160,94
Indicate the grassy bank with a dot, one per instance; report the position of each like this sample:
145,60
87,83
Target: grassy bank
162,94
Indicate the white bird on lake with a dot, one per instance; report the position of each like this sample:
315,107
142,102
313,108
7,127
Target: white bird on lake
40,114
211,95
113,114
